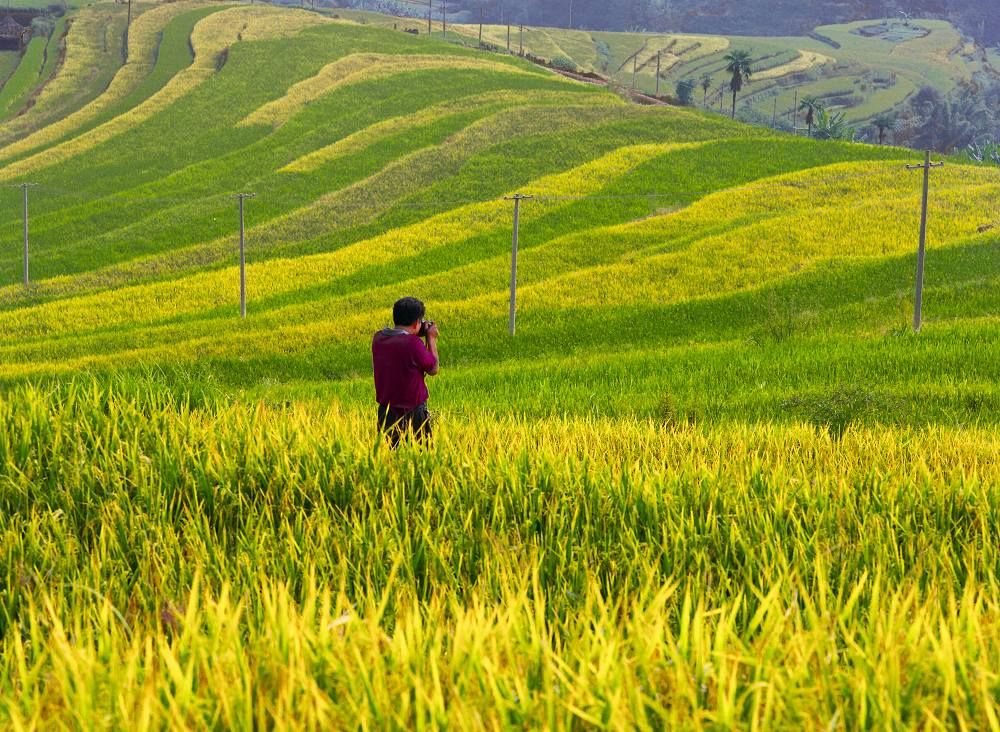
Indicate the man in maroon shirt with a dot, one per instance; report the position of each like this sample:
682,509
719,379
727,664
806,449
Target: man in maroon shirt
401,360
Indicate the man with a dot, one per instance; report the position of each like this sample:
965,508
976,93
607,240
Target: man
401,360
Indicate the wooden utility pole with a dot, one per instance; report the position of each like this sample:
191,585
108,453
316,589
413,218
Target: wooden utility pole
795,111
571,15
918,304
444,19
774,114
635,68
24,193
481,25
658,54
243,257
508,36
521,50
512,317
430,15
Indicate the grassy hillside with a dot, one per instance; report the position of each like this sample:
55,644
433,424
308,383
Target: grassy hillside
714,480
862,68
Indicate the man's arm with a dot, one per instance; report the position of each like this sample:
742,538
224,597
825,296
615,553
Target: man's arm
432,346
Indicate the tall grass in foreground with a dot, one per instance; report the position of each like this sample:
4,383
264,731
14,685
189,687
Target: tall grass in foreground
165,562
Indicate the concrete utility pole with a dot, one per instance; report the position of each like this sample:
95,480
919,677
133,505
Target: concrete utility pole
918,305
658,54
243,256
24,192
516,198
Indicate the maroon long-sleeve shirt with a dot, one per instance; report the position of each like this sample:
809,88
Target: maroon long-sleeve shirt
400,361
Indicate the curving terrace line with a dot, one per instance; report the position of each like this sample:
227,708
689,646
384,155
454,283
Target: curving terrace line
144,40
210,37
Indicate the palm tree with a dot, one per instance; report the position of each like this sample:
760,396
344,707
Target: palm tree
832,126
738,64
811,105
706,83
883,122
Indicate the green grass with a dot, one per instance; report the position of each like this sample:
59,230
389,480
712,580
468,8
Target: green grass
715,481
22,81
8,62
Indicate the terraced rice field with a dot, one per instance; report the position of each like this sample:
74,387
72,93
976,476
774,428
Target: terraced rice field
862,69
714,481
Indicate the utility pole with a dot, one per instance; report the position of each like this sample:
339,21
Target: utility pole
635,68
444,19
774,114
658,54
243,256
795,111
481,11
516,198
508,36
430,11
918,305
521,51
571,15
24,193
128,27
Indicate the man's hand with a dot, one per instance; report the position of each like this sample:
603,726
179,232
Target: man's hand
432,332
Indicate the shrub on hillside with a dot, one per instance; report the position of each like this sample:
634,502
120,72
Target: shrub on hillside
561,62
685,92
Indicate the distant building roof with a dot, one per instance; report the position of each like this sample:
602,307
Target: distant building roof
10,28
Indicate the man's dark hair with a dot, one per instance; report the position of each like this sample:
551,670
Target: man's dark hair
407,311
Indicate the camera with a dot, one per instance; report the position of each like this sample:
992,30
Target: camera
425,327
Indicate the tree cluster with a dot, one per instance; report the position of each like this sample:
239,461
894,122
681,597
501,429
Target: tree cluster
932,120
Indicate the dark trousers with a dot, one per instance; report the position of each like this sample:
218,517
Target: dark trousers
399,423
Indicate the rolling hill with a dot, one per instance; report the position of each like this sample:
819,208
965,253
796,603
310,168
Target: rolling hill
713,479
